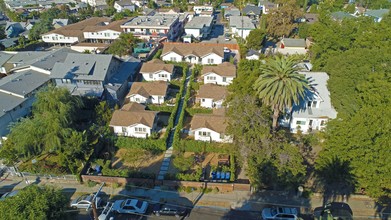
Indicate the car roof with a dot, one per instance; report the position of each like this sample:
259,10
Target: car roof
131,202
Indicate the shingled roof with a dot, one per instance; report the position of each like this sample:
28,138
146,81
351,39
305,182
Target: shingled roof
224,69
156,65
133,106
213,91
128,118
200,50
114,26
147,89
214,122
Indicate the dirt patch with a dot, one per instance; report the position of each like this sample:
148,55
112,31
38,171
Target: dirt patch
138,159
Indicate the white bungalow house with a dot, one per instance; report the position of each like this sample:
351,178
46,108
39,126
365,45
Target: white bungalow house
124,4
222,74
193,53
157,70
134,121
211,96
316,109
148,92
290,46
209,127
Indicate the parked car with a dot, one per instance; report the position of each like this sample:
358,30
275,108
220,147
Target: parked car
85,201
169,209
130,206
280,213
227,37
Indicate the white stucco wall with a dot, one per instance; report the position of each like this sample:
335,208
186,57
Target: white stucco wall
304,124
216,59
157,76
104,35
208,78
206,103
138,98
172,57
130,131
59,39
195,32
214,136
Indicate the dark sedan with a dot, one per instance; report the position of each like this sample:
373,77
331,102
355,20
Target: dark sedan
170,209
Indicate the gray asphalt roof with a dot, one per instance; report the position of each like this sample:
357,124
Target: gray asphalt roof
27,58
199,22
318,81
236,21
232,12
48,61
291,42
4,57
377,13
126,69
9,42
339,15
24,82
9,102
83,67
157,20
251,9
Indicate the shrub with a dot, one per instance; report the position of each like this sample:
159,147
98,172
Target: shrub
154,146
91,183
158,54
116,185
207,147
160,108
192,111
182,163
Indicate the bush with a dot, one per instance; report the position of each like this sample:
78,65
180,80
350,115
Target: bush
182,163
154,146
158,54
193,111
91,183
207,147
194,176
160,108
116,185
215,190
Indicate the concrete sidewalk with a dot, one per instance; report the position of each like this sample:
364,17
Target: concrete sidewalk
363,207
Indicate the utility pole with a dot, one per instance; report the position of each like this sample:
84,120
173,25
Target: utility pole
93,203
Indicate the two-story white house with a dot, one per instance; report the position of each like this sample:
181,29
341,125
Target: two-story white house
210,127
222,74
148,92
193,53
132,120
105,33
157,26
211,96
73,33
157,70
198,9
315,110
124,4
241,25
199,27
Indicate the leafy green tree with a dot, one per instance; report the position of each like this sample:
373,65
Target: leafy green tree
110,11
280,85
22,41
123,45
255,39
283,20
35,202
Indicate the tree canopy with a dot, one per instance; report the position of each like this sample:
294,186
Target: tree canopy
280,85
282,20
34,202
123,45
255,39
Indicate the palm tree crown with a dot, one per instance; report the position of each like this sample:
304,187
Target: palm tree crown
280,85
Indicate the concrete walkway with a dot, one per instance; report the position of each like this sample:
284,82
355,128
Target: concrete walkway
167,156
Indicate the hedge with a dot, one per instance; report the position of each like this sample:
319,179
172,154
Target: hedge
160,108
155,146
201,146
193,111
108,171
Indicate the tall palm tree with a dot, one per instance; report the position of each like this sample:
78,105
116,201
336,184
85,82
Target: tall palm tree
280,85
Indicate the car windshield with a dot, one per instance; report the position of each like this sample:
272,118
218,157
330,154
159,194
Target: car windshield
84,197
273,211
139,204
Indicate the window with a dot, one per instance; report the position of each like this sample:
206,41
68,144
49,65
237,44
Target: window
311,121
222,136
140,129
202,100
312,104
67,81
123,130
137,99
204,133
224,79
173,59
210,61
150,75
300,122
211,78
162,75
323,123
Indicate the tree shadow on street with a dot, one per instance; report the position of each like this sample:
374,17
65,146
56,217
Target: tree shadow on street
336,179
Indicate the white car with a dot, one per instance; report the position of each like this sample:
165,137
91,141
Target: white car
279,213
130,206
85,201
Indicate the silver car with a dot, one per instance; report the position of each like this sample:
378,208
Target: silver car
85,201
279,213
